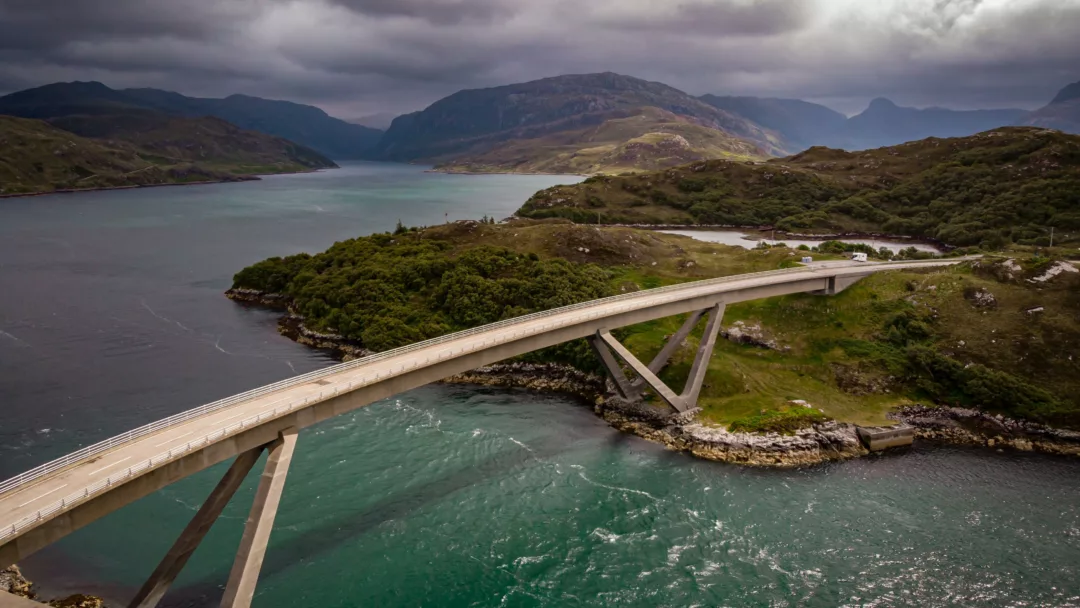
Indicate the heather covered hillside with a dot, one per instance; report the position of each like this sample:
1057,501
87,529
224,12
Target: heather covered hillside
1009,185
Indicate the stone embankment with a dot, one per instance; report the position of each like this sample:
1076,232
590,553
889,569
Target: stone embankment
973,427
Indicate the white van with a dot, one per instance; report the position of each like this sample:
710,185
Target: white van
858,257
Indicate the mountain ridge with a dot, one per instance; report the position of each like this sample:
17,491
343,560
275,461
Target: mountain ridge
303,124
474,120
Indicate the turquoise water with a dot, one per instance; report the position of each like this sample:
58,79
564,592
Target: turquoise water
451,495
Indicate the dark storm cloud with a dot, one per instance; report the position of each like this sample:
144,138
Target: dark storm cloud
434,11
44,24
357,57
754,18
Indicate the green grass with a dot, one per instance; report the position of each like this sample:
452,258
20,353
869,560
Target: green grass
785,421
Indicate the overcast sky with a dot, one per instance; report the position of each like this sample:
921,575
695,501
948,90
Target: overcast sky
357,57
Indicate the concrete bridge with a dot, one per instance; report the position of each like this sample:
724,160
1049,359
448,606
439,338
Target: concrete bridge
42,505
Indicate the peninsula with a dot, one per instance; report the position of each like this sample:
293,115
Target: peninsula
791,376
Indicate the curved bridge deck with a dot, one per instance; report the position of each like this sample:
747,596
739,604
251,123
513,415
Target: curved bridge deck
44,504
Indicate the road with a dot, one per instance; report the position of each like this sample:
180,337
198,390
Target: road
22,506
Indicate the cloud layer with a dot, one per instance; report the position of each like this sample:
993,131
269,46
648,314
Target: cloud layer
355,57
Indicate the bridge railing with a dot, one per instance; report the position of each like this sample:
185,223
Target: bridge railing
153,427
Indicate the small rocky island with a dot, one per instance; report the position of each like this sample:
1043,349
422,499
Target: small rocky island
956,354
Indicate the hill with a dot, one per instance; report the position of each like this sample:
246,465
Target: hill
305,125
473,122
800,123
38,157
1004,186
206,140
651,140
1062,113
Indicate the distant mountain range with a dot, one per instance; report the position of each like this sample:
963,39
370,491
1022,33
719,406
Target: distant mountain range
801,124
583,123
305,125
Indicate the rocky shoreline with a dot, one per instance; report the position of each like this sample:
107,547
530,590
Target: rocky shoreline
12,581
825,442
964,426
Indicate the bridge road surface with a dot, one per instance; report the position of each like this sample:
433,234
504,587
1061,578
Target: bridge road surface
29,498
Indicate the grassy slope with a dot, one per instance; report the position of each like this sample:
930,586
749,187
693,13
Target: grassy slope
473,121
990,189
207,140
651,140
38,157
837,353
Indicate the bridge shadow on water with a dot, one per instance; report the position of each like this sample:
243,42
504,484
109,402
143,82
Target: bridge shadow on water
346,529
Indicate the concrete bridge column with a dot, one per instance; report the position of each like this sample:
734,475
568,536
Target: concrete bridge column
173,562
661,359
647,373
260,522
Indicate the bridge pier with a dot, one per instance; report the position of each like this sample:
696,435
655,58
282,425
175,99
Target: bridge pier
245,571
603,340
173,562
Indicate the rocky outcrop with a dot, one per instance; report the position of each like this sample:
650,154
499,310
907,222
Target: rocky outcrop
752,334
292,327
819,443
78,601
12,581
974,427
548,377
276,301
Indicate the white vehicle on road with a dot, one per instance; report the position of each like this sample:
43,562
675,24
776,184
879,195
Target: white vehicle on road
858,257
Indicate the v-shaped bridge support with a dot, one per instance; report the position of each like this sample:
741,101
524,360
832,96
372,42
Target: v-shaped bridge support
604,344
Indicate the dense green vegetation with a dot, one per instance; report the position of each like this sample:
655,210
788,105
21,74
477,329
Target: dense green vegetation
989,190
984,335
388,291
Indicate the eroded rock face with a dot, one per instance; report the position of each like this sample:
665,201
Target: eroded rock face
974,427
12,581
1054,270
741,332
78,601
275,301
820,443
548,377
